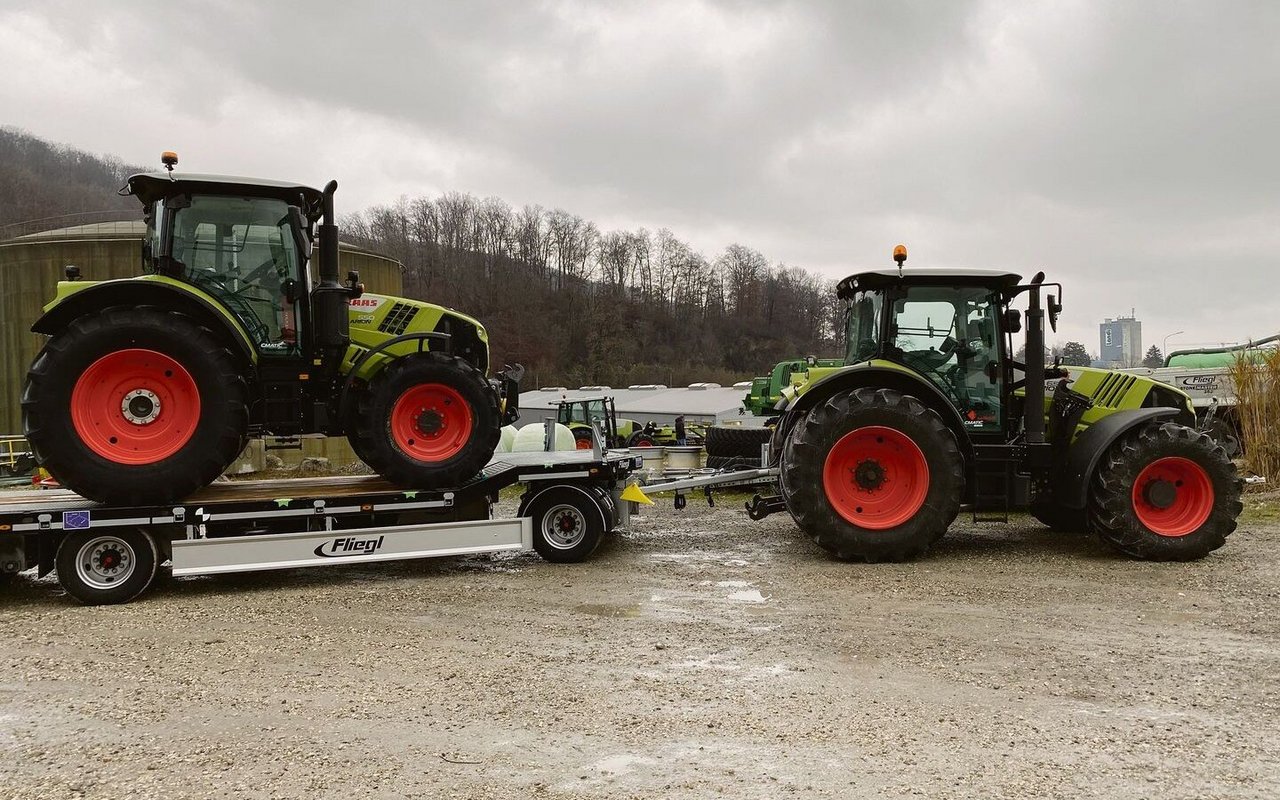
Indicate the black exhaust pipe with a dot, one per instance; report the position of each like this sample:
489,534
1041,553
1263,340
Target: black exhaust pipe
329,236
1033,407
330,299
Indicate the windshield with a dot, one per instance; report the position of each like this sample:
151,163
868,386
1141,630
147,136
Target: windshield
862,326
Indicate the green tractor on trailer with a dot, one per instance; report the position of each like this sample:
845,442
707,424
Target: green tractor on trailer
931,413
149,387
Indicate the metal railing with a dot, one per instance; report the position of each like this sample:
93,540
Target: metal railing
45,224
16,460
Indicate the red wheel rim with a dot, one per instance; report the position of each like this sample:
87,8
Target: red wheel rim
876,477
582,444
135,407
1173,496
431,422
643,443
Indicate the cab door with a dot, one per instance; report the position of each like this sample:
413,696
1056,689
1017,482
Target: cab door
950,337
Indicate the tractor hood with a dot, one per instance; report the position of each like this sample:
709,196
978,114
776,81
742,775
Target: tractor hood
377,318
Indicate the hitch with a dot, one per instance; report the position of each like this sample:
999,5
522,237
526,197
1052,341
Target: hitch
509,392
760,507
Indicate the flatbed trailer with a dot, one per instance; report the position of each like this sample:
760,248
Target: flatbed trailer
111,554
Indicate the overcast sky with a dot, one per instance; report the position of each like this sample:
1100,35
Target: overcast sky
1128,149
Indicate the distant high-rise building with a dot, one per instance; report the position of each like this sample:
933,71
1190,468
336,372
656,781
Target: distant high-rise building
1120,341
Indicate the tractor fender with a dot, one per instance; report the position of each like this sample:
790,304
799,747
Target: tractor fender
142,292
871,375
1072,490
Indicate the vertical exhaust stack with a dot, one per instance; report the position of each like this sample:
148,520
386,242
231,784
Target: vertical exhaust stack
330,299
1033,407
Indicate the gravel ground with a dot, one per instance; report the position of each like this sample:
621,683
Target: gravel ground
700,655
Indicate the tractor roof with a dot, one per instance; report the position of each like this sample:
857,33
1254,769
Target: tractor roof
151,186
885,278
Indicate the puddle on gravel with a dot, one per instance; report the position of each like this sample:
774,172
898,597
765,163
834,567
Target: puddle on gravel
608,610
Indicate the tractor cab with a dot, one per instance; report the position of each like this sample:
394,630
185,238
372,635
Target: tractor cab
946,326
246,244
582,416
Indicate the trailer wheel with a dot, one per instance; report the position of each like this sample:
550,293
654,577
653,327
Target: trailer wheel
427,421
1165,493
568,523
872,474
135,405
101,569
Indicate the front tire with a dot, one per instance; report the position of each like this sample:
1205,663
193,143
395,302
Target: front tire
427,421
641,439
872,475
134,405
1165,493
582,439
106,568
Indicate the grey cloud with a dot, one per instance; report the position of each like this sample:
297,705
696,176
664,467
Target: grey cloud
1115,144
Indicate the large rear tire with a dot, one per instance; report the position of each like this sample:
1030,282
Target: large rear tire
872,475
427,421
1165,493
735,442
135,405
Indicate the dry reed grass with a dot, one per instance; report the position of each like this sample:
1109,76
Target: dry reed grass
1256,374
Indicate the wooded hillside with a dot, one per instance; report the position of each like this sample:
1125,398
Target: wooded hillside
40,180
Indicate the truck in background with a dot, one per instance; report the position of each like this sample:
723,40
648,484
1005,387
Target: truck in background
1205,375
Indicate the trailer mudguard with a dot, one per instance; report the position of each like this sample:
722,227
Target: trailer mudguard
533,495
77,298
883,375
1072,489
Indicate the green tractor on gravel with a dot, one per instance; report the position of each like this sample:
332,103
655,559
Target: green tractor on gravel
581,414
766,390
932,413
149,387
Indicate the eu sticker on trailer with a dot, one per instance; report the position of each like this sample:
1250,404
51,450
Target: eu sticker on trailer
75,520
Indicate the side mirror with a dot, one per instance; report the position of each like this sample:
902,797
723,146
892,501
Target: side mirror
1012,320
354,287
1055,308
